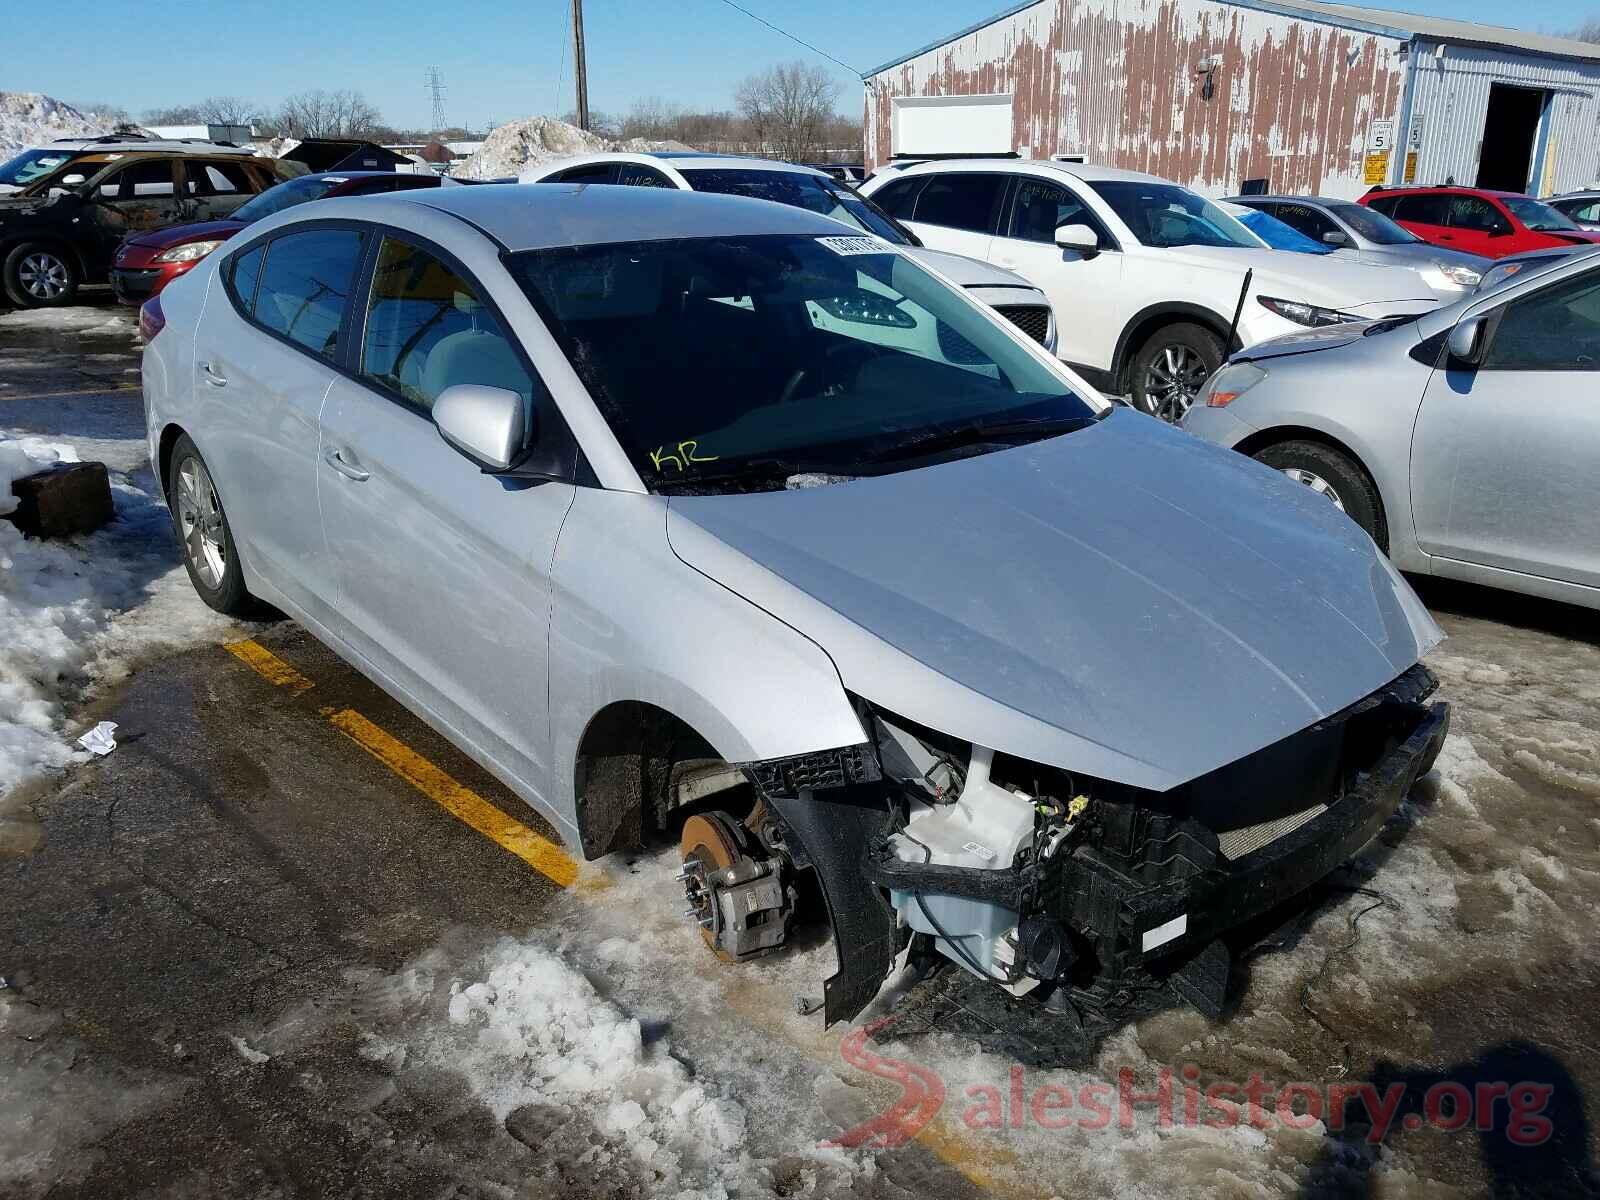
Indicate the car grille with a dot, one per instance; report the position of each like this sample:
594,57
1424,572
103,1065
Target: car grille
1236,843
1032,319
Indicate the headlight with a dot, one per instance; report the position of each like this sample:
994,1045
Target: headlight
1444,275
1304,314
1231,382
188,252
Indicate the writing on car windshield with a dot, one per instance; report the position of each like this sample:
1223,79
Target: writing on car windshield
735,362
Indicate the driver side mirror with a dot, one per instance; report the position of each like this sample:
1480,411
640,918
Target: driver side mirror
484,423
1336,237
1466,340
67,185
1078,237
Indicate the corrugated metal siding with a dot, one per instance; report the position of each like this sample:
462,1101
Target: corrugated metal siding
1452,94
1116,82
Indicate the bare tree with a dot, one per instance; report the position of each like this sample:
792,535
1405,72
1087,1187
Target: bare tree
1589,31
177,114
228,110
787,108
327,114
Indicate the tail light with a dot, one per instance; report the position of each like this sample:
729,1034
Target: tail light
151,319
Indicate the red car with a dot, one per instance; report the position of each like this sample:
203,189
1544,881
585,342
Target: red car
146,262
1477,220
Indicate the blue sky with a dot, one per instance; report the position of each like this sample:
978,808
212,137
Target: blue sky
499,58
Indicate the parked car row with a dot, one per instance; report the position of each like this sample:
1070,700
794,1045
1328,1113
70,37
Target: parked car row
699,513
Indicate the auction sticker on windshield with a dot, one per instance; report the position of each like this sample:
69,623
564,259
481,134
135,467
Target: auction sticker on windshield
855,245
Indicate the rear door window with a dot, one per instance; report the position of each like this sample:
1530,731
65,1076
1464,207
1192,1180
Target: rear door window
639,175
962,200
305,284
428,328
149,180
1427,209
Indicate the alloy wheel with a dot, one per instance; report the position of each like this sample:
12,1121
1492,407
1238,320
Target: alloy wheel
1173,380
1316,483
200,523
43,276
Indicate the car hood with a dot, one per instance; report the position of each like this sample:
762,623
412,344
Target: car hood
177,235
1578,237
967,272
1325,337
1126,601
1420,254
1326,280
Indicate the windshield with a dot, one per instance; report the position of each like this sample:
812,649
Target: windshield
1537,215
736,363
286,195
31,165
1372,226
801,189
1277,234
1164,214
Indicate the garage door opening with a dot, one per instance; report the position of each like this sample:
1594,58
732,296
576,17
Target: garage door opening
1509,134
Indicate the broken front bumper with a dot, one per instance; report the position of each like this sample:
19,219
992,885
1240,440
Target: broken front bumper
1139,927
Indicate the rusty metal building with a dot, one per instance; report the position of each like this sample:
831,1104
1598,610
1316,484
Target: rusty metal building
1230,95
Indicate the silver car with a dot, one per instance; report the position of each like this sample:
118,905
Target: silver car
698,513
1464,440
1366,235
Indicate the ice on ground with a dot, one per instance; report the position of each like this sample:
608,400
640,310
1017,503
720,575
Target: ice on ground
76,613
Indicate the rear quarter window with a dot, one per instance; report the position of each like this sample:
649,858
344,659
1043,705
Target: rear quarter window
244,270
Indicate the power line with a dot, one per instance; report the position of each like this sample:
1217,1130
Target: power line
792,38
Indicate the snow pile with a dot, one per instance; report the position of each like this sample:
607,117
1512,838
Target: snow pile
76,614
32,119
533,141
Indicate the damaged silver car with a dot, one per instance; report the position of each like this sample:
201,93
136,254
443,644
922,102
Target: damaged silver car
700,516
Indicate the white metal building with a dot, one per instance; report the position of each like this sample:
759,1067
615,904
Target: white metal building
1305,96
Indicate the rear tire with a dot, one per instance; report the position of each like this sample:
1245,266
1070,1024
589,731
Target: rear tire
38,275
204,536
1167,373
1336,476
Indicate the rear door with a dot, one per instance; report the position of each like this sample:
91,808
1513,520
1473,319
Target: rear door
1087,334
960,211
1504,457
443,570
215,187
274,326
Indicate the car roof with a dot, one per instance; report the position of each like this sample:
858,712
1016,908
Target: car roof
1452,189
1087,172
1285,198
686,160
539,216
136,145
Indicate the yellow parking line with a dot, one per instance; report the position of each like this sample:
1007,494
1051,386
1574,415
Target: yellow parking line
268,665
460,801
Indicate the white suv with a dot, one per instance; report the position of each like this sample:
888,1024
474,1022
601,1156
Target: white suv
1008,293
1144,275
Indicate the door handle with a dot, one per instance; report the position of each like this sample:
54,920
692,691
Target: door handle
214,377
336,460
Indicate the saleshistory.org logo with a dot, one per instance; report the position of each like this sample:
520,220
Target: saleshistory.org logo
1176,1098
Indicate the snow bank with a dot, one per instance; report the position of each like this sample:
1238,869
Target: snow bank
77,613
31,119
533,141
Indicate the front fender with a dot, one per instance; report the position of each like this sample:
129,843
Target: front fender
633,622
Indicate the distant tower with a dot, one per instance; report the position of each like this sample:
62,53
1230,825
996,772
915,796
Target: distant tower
436,88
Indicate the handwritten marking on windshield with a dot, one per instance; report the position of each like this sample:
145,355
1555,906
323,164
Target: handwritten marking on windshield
687,452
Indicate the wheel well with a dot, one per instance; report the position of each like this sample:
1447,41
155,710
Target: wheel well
1265,438
623,773
1142,327
53,241
169,439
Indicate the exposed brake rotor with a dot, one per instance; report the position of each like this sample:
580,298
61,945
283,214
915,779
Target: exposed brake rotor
735,891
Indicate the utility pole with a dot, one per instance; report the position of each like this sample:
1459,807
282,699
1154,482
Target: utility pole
580,68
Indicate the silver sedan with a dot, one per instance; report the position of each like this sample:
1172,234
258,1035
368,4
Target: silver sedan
1464,441
707,515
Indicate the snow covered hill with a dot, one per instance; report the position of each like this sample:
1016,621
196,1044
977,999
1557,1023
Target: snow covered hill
31,119
534,140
